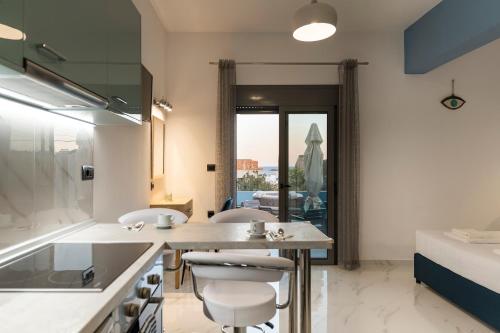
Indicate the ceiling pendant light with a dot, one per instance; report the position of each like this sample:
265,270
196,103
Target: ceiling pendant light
315,21
8,32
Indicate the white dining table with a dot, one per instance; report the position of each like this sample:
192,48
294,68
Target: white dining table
210,236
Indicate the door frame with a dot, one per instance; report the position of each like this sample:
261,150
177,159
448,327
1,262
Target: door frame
280,99
332,167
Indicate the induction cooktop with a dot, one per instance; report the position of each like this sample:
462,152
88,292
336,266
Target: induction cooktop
69,266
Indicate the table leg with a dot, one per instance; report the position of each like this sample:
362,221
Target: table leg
177,272
305,291
292,308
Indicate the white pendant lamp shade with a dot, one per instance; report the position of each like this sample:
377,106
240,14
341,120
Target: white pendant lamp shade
8,32
314,22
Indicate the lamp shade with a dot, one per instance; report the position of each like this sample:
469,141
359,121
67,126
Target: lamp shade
314,22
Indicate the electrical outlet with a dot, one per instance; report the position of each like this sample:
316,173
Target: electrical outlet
210,213
87,172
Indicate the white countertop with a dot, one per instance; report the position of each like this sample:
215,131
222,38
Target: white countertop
206,236
66,312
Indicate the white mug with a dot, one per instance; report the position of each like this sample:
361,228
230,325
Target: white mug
257,226
165,220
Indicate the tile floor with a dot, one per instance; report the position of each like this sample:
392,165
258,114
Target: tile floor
380,297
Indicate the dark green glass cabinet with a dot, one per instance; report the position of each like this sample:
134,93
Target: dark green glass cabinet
124,57
11,51
93,43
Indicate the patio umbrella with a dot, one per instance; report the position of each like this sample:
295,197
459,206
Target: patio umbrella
313,168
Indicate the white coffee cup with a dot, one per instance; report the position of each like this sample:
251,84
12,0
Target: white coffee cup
257,227
165,220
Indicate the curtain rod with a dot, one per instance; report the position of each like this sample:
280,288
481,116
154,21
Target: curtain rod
290,63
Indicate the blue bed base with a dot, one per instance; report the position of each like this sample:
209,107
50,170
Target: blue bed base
479,301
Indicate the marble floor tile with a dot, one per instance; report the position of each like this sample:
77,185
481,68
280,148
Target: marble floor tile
380,297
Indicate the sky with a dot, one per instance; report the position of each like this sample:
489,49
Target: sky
258,136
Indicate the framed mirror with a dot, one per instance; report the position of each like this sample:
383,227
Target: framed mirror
157,146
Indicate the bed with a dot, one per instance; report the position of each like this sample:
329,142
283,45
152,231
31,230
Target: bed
465,274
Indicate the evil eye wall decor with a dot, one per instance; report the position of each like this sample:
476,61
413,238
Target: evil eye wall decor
453,102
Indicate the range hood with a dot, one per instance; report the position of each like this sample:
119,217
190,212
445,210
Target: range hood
44,89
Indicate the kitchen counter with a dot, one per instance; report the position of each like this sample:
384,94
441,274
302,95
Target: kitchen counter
206,236
67,312
209,236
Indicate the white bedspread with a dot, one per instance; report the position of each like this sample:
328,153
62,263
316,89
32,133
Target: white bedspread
476,262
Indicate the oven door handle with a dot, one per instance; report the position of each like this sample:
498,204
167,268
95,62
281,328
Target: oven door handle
150,324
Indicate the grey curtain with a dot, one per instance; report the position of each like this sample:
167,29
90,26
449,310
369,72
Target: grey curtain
348,195
225,178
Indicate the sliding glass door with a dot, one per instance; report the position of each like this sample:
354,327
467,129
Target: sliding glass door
286,165
307,174
257,151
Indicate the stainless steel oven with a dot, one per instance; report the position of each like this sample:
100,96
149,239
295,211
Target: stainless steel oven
141,311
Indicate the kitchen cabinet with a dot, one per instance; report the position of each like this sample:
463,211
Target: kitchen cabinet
124,58
124,89
95,44
69,38
11,50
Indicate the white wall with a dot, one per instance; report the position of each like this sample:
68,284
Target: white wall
421,165
122,153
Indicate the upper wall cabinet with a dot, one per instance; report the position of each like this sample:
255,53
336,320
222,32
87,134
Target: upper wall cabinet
95,44
11,48
124,58
69,38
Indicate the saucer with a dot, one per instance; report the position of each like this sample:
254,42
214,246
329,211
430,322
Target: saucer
257,235
158,226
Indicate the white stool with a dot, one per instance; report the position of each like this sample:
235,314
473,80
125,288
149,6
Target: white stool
238,294
244,215
150,216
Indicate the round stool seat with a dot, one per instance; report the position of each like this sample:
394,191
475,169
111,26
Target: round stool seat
239,303
249,252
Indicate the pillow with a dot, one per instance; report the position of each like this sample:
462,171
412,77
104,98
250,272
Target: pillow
494,226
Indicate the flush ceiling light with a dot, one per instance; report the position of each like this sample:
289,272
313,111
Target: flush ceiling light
315,21
8,32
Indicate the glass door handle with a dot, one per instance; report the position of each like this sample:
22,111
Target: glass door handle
282,186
